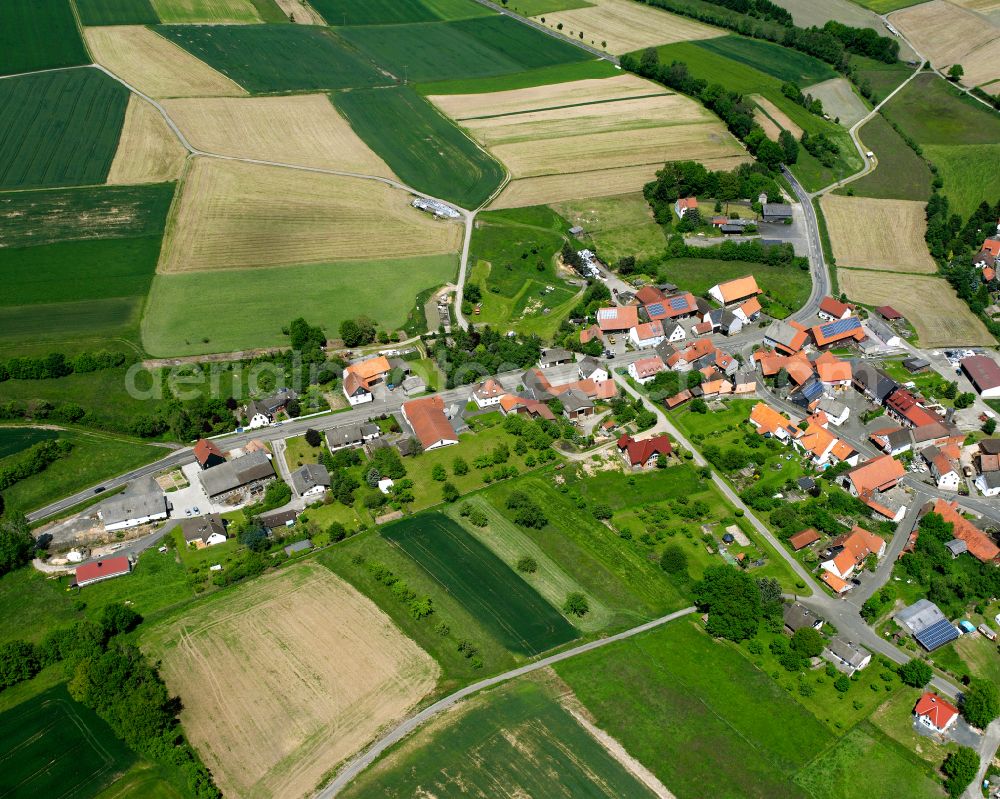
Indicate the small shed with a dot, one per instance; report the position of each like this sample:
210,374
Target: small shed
967,626
956,547
987,632
728,538
298,546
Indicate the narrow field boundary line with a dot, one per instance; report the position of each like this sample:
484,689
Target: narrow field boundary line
361,761
569,105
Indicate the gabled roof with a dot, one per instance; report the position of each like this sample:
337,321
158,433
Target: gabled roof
877,474
309,476
833,370
619,317
354,384
888,312
426,417
489,389
639,452
201,527
648,330
834,307
588,334
647,367
205,449
789,336
937,710
839,586
687,202
738,289
905,404
982,371
980,545
649,294
369,369
992,246
803,539
108,567
769,421
672,307
751,307
839,330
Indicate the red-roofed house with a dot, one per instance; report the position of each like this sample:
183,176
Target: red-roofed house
643,454
673,307
649,294
646,335
685,204
854,549
617,319
646,369
833,371
935,713
511,403
771,423
981,547
735,291
847,329
207,454
837,585
903,407
488,393
588,334
992,246
748,310
888,313
99,570
803,539
871,479
430,425
831,309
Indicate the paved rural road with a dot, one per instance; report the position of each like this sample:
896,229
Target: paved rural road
359,763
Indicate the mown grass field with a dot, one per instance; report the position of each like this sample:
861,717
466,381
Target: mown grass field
728,726
543,76
515,741
70,327
209,11
16,439
901,174
276,58
117,12
787,286
479,47
38,34
772,59
885,6
933,112
740,77
616,226
193,313
53,746
510,608
422,146
392,12
59,128
883,77
971,173
94,457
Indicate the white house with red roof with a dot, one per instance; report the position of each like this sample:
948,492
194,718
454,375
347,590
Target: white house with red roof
645,370
98,570
617,319
685,204
488,393
645,453
935,713
831,309
646,335
735,292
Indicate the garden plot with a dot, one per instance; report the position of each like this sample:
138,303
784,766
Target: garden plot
154,65
233,215
878,234
148,151
839,101
304,130
286,678
625,26
940,318
948,34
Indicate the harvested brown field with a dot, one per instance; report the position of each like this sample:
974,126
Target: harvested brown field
148,151
581,185
839,100
234,215
947,33
878,234
626,25
155,66
287,677
771,128
573,149
777,115
303,13
304,130
516,101
940,318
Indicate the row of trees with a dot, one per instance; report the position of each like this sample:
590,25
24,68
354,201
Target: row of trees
689,179
953,242
473,354
56,364
34,460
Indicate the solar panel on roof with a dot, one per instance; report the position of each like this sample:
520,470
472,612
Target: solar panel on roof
937,635
840,326
607,313
678,303
656,309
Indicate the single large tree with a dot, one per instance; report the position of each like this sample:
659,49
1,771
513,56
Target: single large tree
981,703
960,768
732,600
915,673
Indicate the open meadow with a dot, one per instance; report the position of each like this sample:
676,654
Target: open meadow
38,34
616,226
551,136
971,173
116,12
625,26
492,591
946,34
234,215
392,12
304,130
839,100
59,128
213,11
940,318
154,65
692,725
192,313
878,234
276,58
900,174
53,746
148,151
318,668
424,148
517,740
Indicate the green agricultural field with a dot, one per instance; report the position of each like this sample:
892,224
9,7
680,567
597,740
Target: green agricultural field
866,765
715,67
617,572
53,746
971,173
142,781
531,8
116,12
425,148
32,218
210,11
31,605
616,226
882,77
38,34
276,58
94,457
191,314
516,740
901,174
885,6
931,111
772,59
489,589
543,76
787,287
59,128
70,327
348,559
695,725
16,439
480,47
374,12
